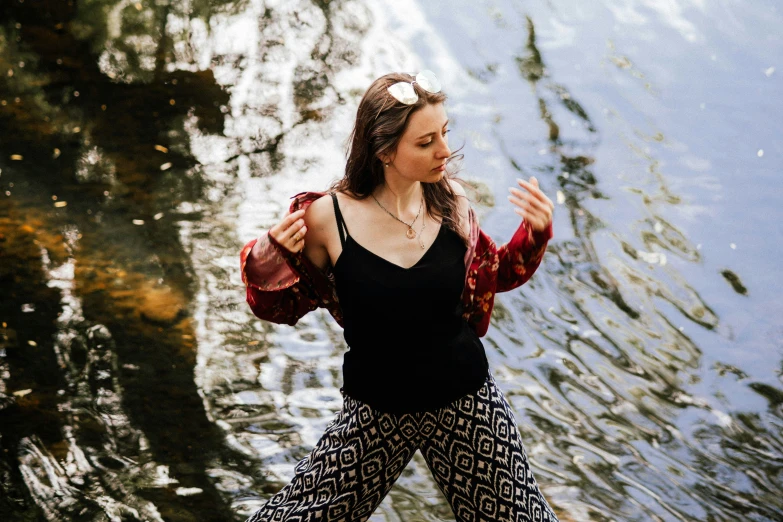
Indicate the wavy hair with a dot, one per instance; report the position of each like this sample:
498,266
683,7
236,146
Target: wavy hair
380,123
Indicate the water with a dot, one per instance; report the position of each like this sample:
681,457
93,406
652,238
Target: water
144,143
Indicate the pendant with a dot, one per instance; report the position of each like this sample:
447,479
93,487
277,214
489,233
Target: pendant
410,233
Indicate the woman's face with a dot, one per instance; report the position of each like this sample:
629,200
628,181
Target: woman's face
424,147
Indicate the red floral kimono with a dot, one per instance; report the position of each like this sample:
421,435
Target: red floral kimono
283,286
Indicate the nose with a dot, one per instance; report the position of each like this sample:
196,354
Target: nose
443,148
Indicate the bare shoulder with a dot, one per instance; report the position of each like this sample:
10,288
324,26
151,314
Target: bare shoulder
320,221
463,203
320,213
457,187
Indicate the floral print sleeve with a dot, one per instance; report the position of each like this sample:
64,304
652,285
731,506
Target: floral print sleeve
274,291
282,286
491,269
519,258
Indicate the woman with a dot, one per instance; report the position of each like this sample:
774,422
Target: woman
395,254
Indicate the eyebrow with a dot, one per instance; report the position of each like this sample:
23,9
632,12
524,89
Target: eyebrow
431,133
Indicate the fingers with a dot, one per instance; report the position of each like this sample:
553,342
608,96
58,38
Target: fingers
530,212
288,221
290,232
531,204
531,199
293,237
536,221
532,188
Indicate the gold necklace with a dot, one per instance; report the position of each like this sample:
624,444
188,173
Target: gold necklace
410,233
421,232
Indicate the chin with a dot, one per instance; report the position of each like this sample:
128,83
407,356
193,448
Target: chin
435,176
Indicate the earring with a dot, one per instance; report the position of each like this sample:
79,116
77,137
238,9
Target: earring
385,164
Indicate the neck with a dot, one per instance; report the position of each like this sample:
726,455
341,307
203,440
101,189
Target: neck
400,195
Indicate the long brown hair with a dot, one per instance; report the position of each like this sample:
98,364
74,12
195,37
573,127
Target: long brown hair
380,123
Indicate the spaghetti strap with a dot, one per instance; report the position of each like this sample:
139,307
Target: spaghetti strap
341,227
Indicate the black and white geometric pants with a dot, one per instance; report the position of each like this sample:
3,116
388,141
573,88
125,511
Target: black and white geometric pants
471,446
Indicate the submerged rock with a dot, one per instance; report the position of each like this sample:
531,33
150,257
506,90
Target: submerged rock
161,305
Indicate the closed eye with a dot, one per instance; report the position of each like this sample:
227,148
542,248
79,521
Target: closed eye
425,145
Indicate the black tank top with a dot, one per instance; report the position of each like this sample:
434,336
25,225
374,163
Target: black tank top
410,350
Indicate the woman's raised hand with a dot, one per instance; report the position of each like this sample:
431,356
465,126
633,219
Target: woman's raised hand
290,232
532,205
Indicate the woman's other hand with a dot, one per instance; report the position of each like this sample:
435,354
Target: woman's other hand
532,204
290,232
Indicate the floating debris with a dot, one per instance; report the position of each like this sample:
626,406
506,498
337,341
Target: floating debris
138,221
654,258
165,166
32,343
560,197
186,492
734,281
162,149
56,153
760,153
769,72
16,157
733,246
22,393
60,204
77,130
158,216
172,101
162,478
28,307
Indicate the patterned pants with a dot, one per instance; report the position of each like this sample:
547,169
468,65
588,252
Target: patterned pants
472,448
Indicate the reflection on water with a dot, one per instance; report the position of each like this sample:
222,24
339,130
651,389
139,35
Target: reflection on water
144,142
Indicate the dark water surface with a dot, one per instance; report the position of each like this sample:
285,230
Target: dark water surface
142,143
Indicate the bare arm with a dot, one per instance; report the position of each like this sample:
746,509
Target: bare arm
321,227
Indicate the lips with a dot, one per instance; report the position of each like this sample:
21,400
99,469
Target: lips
440,169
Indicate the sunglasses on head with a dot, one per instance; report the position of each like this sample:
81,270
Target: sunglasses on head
404,92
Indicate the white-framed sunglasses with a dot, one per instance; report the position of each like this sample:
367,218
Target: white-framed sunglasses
404,92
